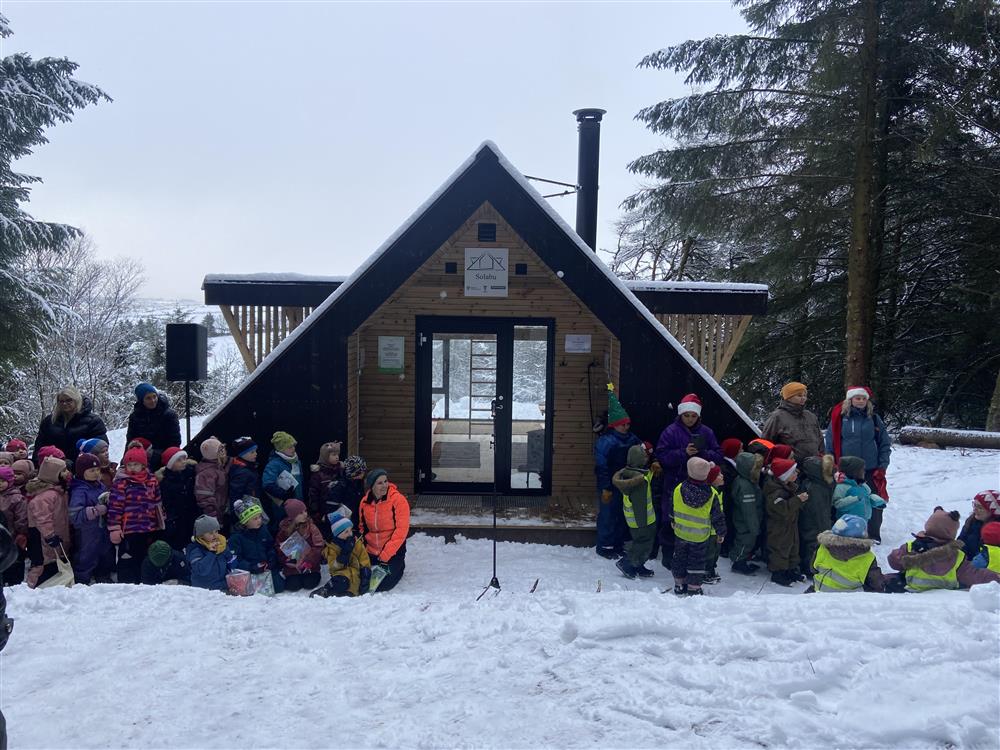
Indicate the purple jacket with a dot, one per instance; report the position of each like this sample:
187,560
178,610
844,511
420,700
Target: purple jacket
83,495
937,558
671,452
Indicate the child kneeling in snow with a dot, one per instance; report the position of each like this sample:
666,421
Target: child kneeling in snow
302,570
251,542
697,508
851,495
844,560
208,556
988,556
935,560
347,558
635,482
164,564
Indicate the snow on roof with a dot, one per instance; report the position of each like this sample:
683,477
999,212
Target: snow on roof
271,278
589,255
693,286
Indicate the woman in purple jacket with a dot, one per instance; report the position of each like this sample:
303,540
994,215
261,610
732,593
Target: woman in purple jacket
683,438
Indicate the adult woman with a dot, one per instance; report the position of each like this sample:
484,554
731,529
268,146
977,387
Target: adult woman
856,430
153,419
71,420
384,522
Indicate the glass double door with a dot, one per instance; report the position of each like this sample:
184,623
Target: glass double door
483,405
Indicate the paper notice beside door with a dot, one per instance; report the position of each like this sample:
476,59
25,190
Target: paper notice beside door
578,343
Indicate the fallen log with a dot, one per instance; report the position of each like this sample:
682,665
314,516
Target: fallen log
943,437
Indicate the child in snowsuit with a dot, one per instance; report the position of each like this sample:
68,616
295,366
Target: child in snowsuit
210,491
635,483
716,480
934,559
176,476
851,495
208,557
748,511
23,470
783,501
164,564
18,447
48,520
988,556
303,571
95,555
99,448
697,509
843,560
610,455
282,478
730,448
6,459
15,519
348,561
816,515
243,478
134,514
252,543
349,489
985,508
322,476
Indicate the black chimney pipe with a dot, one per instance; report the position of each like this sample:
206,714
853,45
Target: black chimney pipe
586,174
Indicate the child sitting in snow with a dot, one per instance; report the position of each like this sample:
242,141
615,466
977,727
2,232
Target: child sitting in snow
635,482
844,560
252,543
935,560
208,556
164,564
696,509
782,502
851,495
988,556
302,570
347,558
985,508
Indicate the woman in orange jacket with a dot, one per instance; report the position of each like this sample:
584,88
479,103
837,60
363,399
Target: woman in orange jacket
384,522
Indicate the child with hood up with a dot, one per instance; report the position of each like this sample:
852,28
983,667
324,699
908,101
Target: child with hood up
210,490
252,543
208,556
15,518
176,476
48,519
748,510
696,511
348,561
301,571
164,564
23,470
635,483
844,560
985,509
6,459
135,516
934,559
783,500
282,477
322,476
851,495
95,555
816,515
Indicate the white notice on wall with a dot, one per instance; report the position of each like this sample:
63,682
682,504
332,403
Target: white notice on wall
485,272
578,343
390,353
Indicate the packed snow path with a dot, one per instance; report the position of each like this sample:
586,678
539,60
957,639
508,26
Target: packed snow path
750,665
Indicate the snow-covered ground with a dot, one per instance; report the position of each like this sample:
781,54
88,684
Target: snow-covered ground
426,665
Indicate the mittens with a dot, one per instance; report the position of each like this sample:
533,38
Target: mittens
53,541
115,532
605,496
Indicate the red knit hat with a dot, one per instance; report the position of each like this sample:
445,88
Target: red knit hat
146,445
135,455
713,474
783,468
49,450
778,451
990,534
990,500
16,445
690,403
731,447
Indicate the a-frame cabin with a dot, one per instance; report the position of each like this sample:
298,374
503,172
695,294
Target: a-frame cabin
484,298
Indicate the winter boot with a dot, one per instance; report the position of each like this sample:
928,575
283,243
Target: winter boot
695,591
744,567
607,553
711,577
643,572
795,576
626,568
680,589
780,577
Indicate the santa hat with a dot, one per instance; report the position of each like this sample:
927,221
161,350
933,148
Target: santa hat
690,403
173,455
731,447
991,534
858,390
616,412
783,468
990,500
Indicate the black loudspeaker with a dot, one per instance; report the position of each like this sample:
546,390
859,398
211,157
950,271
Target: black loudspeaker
187,351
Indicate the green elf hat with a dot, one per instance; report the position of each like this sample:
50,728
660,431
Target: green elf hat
616,412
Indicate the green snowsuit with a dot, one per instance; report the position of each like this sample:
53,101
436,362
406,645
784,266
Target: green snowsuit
748,505
635,480
816,515
782,503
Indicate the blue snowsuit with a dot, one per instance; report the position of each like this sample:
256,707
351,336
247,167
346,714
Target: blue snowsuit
208,569
254,546
611,455
95,554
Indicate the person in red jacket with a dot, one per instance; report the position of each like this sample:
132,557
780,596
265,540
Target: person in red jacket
384,523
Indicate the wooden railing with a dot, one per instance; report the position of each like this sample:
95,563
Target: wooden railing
258,329
711,339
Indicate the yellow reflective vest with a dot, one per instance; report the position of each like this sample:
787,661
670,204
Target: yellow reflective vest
918,579
841,575
630,511
694,524
993,555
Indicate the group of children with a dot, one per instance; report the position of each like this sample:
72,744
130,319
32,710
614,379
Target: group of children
809,524
192,522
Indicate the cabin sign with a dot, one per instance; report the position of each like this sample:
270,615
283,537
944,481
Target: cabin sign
485,272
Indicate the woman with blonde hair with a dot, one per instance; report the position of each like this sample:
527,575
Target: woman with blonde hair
71,420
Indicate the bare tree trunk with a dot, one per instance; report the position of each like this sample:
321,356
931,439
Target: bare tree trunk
993,417
860,258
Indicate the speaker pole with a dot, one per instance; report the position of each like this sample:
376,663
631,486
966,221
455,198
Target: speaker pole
187,408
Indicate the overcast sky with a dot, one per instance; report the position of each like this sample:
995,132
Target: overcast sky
248,137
